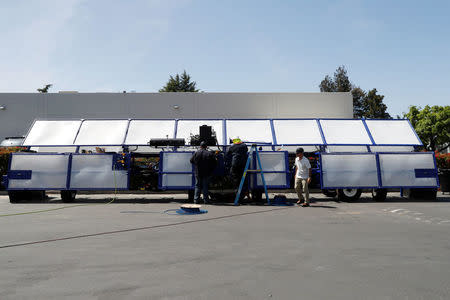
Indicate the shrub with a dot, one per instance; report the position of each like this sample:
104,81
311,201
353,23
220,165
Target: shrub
443,160
4,159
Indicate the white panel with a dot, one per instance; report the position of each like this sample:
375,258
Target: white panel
273,161
102,132
347,170
297,132
52,133
141,131
249,131
397,170
331,149
392,148
186,128
177,162
177,180
350,132
48,171
392,132
272,179
96,171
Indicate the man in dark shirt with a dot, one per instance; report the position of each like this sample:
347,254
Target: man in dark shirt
236,159
205,162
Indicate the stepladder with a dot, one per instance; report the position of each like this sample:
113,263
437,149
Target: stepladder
258,170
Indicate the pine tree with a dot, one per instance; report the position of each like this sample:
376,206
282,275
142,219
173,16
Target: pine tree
373,106
180,84
367,105
45,88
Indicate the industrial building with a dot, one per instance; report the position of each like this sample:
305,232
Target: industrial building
19,110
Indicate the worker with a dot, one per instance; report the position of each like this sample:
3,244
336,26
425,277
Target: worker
236,158
205,162
302,177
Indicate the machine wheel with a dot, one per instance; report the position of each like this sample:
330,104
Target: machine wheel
379,194
330,193
349,194
68,196
420,194
16,196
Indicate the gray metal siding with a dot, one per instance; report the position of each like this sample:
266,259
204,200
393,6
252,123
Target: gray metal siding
23,108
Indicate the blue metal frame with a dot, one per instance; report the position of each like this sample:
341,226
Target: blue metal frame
415,153
161,172
113,158
78,131
175,130
380,183
126,132
32,189
69,171
68,174
324,141
272,187
377,160
368,131
412,128
224,138
274,137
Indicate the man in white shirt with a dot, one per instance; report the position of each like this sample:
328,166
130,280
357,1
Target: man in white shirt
302,177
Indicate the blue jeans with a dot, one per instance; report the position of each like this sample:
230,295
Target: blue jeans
201,185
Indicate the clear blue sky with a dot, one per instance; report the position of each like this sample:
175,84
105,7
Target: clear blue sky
402,48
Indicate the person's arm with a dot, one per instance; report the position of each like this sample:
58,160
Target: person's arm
193,158
296,168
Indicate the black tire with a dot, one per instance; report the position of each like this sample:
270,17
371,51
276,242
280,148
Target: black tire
349,194
68,196
330,193
420,194
16,196
379,194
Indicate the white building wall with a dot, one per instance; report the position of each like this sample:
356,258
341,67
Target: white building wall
22,108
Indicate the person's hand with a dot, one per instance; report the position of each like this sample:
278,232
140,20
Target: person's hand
309,180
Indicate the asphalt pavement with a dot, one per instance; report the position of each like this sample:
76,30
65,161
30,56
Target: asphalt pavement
136,248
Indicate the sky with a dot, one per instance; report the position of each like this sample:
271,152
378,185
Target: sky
401,48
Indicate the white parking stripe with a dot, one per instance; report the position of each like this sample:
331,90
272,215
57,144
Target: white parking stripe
418,216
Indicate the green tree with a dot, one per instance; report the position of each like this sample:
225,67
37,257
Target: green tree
367,105
180,84
359,95
432,124
373,106
339,82
45,88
